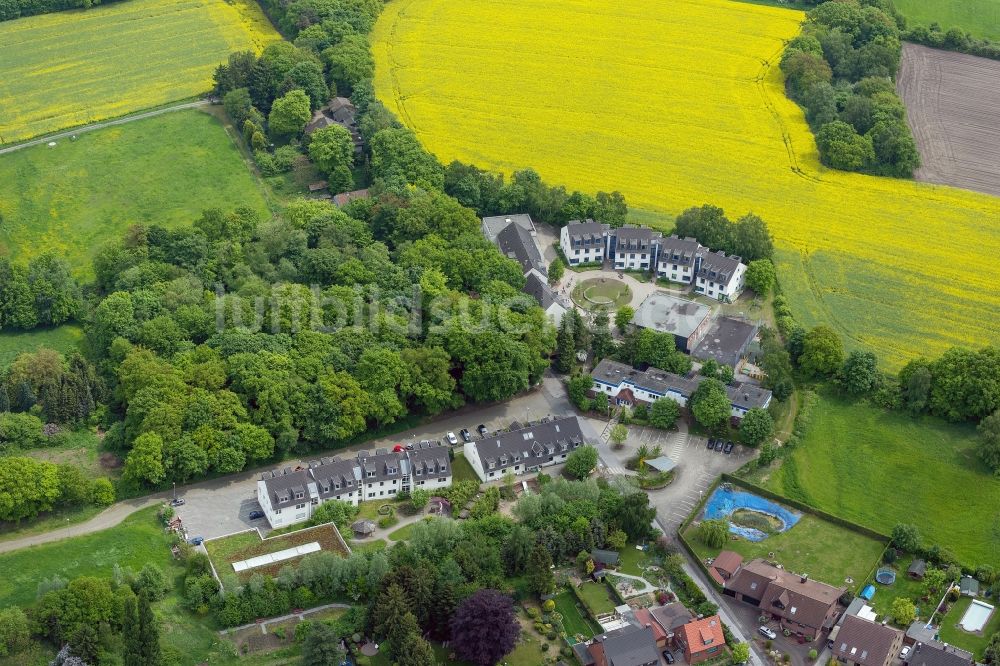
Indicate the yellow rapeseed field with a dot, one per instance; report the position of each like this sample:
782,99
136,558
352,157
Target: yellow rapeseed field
679,103
70,68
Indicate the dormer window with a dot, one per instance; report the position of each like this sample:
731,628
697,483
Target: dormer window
371,475
298,495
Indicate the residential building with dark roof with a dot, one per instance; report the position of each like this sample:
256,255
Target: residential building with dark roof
492,226
537,286
629,646
934,653
677,258
632,248
526,448
584,242
290,495
725,564
338,111
720,276
800,604
671,617
861,642
701,639
626,386
644,618
517,243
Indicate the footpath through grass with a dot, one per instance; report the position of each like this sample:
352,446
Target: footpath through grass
72,68
75,196
879,468
137,540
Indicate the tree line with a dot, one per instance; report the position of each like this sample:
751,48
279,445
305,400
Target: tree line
12,9
841,71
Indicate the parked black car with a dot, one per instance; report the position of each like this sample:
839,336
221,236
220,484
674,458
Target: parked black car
254,515
668,655
719,444
464,433
728,448
482,430
711,443
196,541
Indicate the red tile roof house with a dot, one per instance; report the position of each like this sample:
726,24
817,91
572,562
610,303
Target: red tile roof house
803,606
862,642
724,566
701,640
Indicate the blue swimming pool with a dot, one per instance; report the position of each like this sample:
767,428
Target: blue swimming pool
725,500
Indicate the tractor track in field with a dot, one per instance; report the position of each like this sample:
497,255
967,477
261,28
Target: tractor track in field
101,125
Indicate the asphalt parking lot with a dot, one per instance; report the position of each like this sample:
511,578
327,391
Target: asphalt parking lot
220,511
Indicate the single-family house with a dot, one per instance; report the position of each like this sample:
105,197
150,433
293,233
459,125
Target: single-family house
493,225
934,653
644,618
701,639
862,642
626,386
537,286
671,617
526,448
584,242
342,199
800,604
629,646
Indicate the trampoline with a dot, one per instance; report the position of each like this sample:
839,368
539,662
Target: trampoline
868,592
885,576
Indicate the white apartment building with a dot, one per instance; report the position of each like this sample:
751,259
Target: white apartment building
525,449
584,242
634,248
290,495
720,277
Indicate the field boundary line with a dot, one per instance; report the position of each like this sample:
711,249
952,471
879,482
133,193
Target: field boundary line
101,125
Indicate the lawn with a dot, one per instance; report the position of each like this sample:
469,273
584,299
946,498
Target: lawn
61,338
575,621
82,449
404,532
597,597
527,653
72,198
137,540
598,293
952,634
879,468
632,560
697,114
980,17
245,545
827,552
461,470
72,68
903,587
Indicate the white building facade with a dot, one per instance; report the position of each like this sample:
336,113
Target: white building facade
291,495
584,242
525,449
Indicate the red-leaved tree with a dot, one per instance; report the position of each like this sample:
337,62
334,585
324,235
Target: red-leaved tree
484,629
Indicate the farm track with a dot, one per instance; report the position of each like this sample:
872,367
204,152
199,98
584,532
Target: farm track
103,124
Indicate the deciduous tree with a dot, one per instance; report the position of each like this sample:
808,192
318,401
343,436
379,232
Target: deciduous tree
484,629
710,403
289,114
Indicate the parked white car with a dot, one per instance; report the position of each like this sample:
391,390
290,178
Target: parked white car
767,633
452,439
905,652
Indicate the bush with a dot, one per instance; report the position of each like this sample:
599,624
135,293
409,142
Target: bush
386,521
548,606
813,654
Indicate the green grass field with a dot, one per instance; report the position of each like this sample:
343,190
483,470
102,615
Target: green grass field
61,338
71,68
133,543
597,597
879,468
73,197
903,587
461,470
980,17
827,552
575,621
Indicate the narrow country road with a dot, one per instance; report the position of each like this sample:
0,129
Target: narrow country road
102,125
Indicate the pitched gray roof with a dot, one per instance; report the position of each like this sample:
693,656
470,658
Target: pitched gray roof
635,238
934,653
671,616
680,251
718,267
428,459
531,445
630,646
537,286
516,242
497,223
588,232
